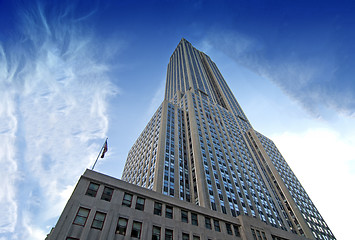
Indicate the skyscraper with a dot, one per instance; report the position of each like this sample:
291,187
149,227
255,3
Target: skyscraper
200,147
197,171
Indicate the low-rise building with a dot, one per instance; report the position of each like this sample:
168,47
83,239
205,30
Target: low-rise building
103,207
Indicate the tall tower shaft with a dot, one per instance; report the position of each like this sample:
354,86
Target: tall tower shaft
200,147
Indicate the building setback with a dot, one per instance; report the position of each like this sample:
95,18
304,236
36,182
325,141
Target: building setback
199,156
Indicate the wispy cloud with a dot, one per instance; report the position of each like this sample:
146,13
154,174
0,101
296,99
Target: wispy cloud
53,106
8,171
316,79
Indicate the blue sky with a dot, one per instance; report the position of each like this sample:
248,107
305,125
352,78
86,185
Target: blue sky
75,72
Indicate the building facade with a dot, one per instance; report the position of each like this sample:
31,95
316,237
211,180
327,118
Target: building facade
102,207
197,171
200,147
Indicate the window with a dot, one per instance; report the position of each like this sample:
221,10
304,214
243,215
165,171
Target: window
136,229
196,238
208,223
107,194
140,203
122,226
236,231
127,200
185,236
184,216
229,229
81,216
168,234
156,233
99,220
71,238
92,189
157,208
194,219
169,212
216,225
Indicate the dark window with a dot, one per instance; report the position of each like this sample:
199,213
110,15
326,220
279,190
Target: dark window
136,229
157,208
208,223
107,194
99,220
156,233
224,210
216,225
168,234
185,236
92,189
196,238
184,216
194,219
81,216
236,231
140,203
213,205
169,212
127,200
122,226
71,238
229,229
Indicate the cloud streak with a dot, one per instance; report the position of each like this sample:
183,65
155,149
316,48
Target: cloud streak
53,106
315,76
8,171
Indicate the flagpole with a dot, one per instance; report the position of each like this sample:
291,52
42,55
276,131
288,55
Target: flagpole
99,154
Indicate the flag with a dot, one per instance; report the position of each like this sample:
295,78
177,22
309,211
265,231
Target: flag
105,149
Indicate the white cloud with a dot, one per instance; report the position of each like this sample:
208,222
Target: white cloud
8,170
320,158
53,105
30,231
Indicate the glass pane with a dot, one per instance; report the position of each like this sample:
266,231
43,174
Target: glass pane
169,212
140,201
184,217
108,191
127,197
156,230
137,225
122,222
97,224
100,216
93,186
168,234
83,212
80,220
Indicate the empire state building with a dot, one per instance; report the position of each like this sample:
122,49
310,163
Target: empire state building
200,147
199,171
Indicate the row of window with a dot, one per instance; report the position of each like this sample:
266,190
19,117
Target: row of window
94,187
99,219
82,215
169,213
194,219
